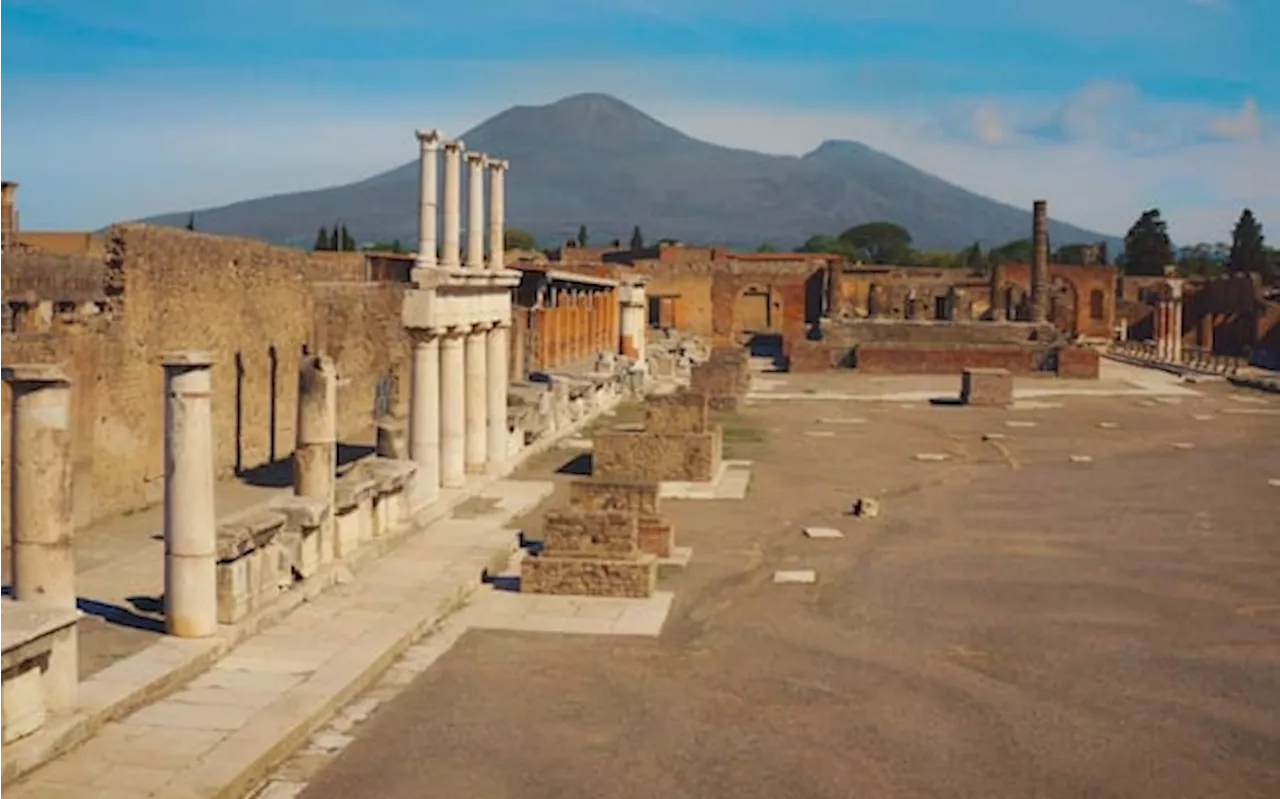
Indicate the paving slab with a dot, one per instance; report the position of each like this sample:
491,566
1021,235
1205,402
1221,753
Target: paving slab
795,576
822,532
731,482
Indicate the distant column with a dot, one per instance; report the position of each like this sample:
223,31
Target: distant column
190,520
477,406
497,213
315,457
475,210
453,408
424,416
999,308
428,148
450,257
41,520
1039,262
497,353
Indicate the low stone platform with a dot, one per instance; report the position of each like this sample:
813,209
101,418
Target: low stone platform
590,553
39,665
507,610
986,387
730,482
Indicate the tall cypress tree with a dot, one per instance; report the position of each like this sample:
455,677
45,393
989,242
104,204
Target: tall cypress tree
1147,249
1247,251
322,240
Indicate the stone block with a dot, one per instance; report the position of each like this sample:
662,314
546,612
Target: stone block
603,533
392,439
39,665
692,458
304,519
683,412
655,535
724,377
253,565
634,496
621,577
23,707
986,387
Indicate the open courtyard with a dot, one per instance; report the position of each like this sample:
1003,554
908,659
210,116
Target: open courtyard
1078,599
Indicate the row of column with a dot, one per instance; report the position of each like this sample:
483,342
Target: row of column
458,405
447,253
576,324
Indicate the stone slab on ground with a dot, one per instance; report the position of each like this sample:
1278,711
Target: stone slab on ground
845,420
579,615
820,433
795,576
217,735
822,532
1019,423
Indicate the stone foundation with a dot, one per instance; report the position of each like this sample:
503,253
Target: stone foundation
655,535
986,387
678,457
585,576
724,378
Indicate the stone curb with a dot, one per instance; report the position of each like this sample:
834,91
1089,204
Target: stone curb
1270,386
105,699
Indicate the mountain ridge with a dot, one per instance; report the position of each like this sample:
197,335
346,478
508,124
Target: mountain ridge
592,159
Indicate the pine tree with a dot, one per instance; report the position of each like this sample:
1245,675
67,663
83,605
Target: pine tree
637,240
322,240
345,242
1147,249
973,256
191,221
1247,251
582,235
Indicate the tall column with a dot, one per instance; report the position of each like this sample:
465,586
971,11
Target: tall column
1039,261
315,457
41,519
428,147
453,408
999,310
1175,323
477,409
449,256
633,322
424,416
497,213
497,353
190,521
518,348
475,210
615,320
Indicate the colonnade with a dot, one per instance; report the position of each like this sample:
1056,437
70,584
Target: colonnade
575,322
1168,321
458,314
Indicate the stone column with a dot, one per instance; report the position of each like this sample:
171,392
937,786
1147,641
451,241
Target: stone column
497,346
632,338
453,408
424,416
315,457
428,147
449,256
475,210
190,521
517,347
1039,261
41,520
1175,324
497,213
477,406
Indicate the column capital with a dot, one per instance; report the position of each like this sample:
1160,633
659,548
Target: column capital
477,158
453,145
499,164
481,327
498,324
186,359
456,331
36,374
429,140
423,335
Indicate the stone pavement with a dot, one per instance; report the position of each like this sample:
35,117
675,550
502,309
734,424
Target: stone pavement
216,736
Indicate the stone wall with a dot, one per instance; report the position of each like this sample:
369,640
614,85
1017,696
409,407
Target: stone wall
683,457
904,359
723,378
254,307
682,412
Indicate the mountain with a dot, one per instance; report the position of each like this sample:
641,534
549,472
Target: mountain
592,159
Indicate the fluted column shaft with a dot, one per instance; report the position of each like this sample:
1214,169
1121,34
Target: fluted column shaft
475,210
428,148
449,256
424,416
497,213
497,346
453,405
477,406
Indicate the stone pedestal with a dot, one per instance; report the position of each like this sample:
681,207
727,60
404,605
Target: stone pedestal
424,418
497,353
477,404
590,553
453,423
987,387
190,523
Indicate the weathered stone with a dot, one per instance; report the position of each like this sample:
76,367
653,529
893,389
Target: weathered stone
986,387
625,577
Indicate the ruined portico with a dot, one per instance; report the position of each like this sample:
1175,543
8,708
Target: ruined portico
459,316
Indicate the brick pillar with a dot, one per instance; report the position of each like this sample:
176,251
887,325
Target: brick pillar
1039,262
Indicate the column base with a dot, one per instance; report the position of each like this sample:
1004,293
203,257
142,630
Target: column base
477,468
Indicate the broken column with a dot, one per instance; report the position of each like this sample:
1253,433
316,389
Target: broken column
475,210
190,522
449,254
424,416
315,457
40,499
632,300
453,408
428,147
476,412
497,352
497,213
1039,262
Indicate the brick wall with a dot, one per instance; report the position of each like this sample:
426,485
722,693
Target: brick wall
929,359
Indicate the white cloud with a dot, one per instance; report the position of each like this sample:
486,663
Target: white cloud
989,124
1245,125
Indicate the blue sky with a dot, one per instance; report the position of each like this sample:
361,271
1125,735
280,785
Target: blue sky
1105,107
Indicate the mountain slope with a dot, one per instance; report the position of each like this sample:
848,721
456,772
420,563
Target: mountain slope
592,159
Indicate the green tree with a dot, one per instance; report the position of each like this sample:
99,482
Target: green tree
517,239
637,239
1147,249
1248,253
1200,259
1017,251
582,235
191,221
323,242
829,245
879,242
972,257
766,247
345,241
